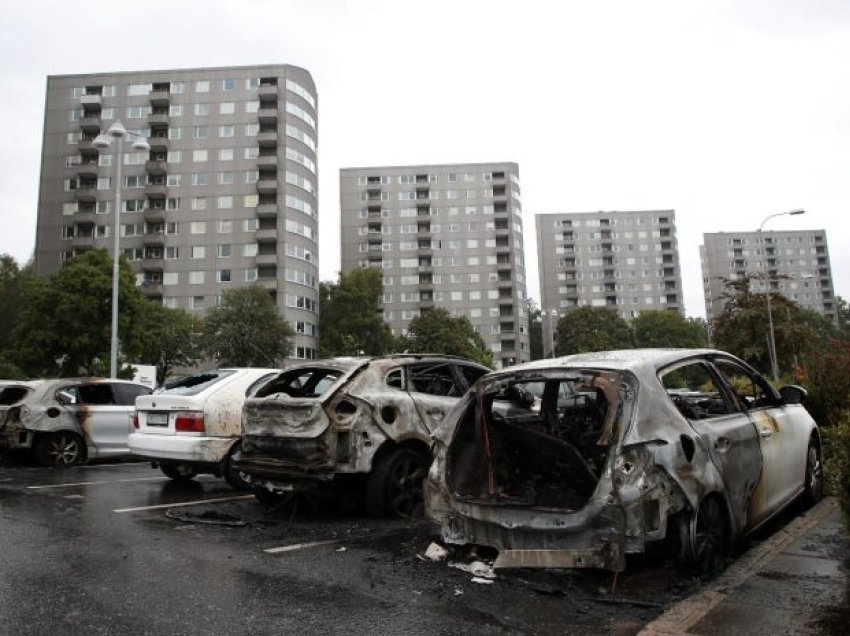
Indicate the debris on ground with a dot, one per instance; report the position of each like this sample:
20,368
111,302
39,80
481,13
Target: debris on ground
208,517
435,552
476,568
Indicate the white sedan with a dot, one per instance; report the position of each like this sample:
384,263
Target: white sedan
194,425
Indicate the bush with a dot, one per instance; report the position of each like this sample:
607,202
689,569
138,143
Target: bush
836,452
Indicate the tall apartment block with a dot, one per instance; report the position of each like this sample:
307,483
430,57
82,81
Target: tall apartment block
226,196
628,261
444,236
796,262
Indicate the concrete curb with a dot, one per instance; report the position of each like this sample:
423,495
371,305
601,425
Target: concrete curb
679,618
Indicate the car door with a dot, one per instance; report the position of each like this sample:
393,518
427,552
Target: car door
782,443
435,387
106,422
726,431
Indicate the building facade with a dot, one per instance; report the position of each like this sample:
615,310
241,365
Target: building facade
443,236
796,263
226,196
628,261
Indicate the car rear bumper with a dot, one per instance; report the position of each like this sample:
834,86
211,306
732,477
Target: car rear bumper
180,448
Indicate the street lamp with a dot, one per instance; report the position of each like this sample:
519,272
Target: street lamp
117,132
772,342
553,316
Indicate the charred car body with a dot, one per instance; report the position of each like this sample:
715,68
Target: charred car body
67,422
621,450
371,418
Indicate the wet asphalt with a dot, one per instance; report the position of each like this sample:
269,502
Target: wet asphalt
119,548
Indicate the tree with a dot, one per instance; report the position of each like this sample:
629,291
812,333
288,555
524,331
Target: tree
350,321
535,330
65,327
742,327
246,329
13,280
170,339
591,329
663,328
436,331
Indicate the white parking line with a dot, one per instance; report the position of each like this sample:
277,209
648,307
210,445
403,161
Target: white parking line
184,503
93,483
300,546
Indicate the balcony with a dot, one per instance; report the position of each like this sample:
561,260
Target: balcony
84,147
85,217
155,191
83,242
151,289
153,262
90,100
154,239
267,115
87,169
90,124
86,195
159,144
267,186
267,210
160,97
156,168
266,235
267,93
267,161
267,139
266,260
158,119
154,215
269,284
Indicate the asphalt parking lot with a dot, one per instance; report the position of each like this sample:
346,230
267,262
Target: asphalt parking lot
119,548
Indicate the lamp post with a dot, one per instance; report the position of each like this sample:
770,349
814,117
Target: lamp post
772,339
117,132
553,316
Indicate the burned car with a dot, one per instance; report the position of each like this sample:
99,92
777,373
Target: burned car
67,422
625,449
318,423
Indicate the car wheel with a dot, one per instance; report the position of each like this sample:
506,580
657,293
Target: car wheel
813,486
236,478
178,472
704,537
395,485
60,449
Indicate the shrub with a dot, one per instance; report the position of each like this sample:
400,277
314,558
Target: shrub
836,452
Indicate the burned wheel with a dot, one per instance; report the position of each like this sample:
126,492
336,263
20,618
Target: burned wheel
395,485
178,472
60,449
813,485
236,478
706,540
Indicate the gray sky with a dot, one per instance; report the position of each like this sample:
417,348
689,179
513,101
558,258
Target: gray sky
725,111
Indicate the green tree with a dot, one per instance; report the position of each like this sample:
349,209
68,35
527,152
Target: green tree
350,320
170,339
65,328
591,329
663,328
246,329
535,330
436,331
13,279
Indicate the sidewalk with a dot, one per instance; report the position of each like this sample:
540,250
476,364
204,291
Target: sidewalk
782,586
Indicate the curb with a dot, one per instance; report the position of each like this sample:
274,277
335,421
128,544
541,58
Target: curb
686,613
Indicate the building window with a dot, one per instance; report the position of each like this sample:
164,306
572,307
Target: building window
199,203
196,277
202,110
198,227
228,84
199,132
228,130
225,178
199,156
223,276
225,226
224,203
226,108
224,250
225,154
198,251
202,86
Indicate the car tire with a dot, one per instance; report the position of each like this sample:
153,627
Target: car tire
813,484
60,450
395,486
708,537
231,475
178,472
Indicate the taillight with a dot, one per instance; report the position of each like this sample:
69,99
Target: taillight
192,421
136,421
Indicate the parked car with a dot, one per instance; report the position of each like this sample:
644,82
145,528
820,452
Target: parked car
70,421
626,449
193,425
320,422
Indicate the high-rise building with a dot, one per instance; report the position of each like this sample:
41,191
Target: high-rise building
443,236
628,261
796,263
226,196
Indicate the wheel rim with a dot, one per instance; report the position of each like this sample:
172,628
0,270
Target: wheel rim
814,471
63,450
404,487
709,542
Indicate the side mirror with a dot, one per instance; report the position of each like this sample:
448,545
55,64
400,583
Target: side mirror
793,394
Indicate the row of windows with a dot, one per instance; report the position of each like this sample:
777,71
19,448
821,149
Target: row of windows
604,302
595,249
627,221
597,275
450,244
198,86
433,228
199,276
453,210
413,195
438,279
433,178
596,235
769,240
437,261
441,296
598,289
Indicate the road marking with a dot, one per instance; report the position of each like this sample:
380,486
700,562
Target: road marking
300,546
184,503
94,483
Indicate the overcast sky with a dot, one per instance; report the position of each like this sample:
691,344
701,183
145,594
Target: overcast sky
725,111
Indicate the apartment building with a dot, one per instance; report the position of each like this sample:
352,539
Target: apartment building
443,236
796,263
628,261
226,195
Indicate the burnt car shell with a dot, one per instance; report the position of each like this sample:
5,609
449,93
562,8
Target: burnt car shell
588,487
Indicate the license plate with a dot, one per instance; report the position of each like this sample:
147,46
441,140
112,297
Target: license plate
157,419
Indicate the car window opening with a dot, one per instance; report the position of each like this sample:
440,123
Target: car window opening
540,443
301,383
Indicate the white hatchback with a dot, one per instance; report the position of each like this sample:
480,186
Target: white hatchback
194,425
